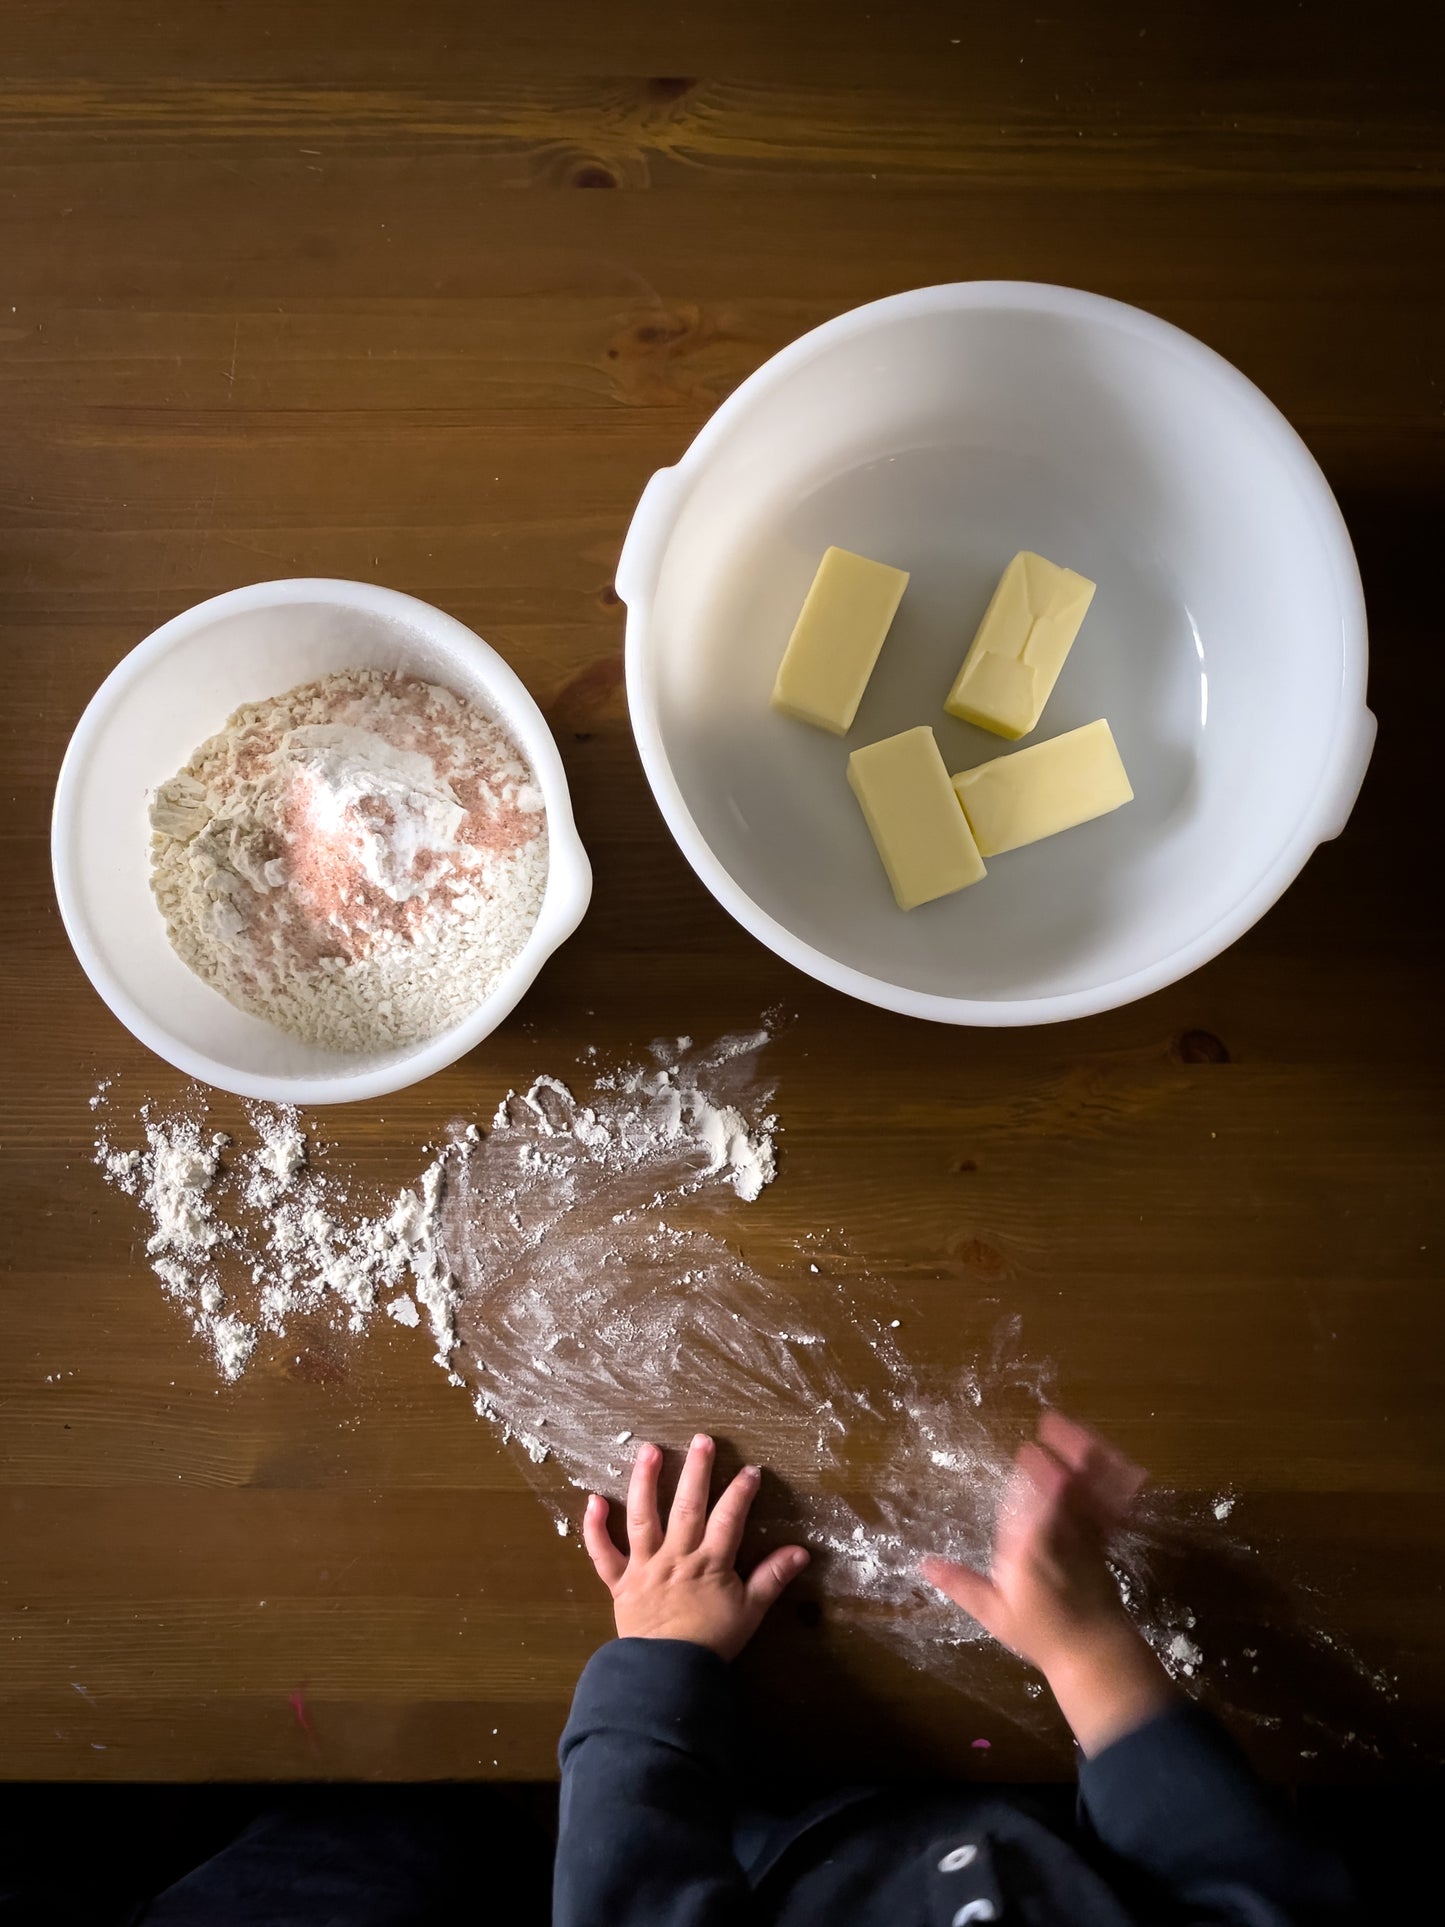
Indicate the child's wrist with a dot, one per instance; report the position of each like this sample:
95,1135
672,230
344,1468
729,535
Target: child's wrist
1087,1646
1108,1684
1104,1649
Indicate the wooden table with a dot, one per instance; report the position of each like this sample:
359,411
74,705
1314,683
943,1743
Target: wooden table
422,296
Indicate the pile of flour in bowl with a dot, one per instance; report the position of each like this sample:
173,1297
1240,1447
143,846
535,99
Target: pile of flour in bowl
357,861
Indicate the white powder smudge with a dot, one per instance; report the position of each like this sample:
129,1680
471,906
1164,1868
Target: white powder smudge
576,1278
281,1154
123,1168
571,1271
1182,1655
234,1341
1223,1505
256,1223
180,1169
295,1244
598,1298
173,1176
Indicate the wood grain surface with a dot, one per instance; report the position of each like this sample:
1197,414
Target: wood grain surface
422,296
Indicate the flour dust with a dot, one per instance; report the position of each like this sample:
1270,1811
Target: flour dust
599,1298
576,1269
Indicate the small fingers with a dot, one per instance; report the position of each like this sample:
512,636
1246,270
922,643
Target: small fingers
688,1518
1067,1439
772,1576
1034,1494
644,1531
1034,1502
610,1563
1042,1479
965,1588
1107,1482
725,1528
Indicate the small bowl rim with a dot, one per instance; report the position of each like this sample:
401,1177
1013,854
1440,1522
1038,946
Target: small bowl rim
1349,748
569,875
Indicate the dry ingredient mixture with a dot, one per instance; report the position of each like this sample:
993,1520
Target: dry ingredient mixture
357,861
574,1270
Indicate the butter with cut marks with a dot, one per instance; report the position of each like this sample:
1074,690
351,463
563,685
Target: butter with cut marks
836,639
922,835
1048,787
1027,631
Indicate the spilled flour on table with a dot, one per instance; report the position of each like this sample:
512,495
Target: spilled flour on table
590,1308
249,1239
253,1238
575,1268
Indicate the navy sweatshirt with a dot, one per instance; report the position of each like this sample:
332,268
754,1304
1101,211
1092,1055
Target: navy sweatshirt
1172,1826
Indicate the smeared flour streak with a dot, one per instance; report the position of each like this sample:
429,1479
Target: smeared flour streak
575,1268
598,1297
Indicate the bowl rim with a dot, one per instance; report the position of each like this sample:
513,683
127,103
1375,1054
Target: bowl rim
1323,815
569,874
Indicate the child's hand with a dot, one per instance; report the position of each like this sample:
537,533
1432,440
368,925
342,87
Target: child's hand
1049,1587
1049,1594
683,1583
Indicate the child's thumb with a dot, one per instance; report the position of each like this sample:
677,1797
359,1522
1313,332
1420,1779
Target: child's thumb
965,1588
771,1576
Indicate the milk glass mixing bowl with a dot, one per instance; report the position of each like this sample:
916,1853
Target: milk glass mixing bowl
941,431
158,705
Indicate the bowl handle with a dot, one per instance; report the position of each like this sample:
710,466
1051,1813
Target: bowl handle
1351,776
647,533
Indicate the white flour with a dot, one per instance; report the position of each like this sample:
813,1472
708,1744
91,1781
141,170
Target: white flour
259,1223
574,1273
182,1167
358,860
249,1240
571,1271
1185,1654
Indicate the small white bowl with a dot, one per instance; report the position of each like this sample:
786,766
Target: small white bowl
157,706
941,431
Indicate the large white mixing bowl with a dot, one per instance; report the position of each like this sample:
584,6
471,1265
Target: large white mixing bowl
168,695
941,431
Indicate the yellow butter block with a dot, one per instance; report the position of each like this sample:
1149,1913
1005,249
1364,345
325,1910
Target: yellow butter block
1043,789
836,639
922,835
1027,631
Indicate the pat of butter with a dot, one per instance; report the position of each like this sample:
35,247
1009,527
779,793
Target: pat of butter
922,835
836,639
1027,631
1043,789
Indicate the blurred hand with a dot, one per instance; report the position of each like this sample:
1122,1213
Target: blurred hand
1049,1587
681,1581
1049,1594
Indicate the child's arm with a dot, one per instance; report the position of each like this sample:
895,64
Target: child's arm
1161,1783
648,1755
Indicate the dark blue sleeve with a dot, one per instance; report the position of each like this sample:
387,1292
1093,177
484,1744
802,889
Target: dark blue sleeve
1177,1802
648,1772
